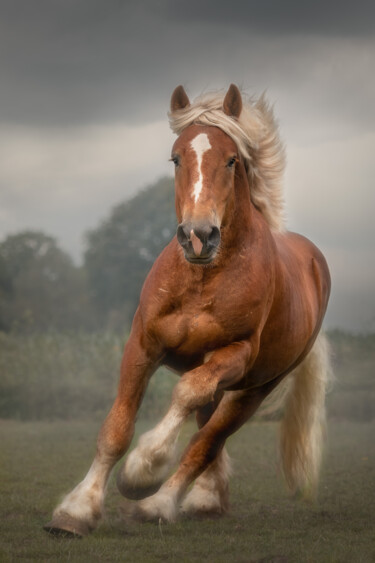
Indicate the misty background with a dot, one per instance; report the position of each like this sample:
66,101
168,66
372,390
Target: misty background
85,88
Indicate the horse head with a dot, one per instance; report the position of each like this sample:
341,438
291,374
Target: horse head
205,160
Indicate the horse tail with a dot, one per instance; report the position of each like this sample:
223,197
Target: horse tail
303,423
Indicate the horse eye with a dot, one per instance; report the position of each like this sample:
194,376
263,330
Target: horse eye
231,162
175,159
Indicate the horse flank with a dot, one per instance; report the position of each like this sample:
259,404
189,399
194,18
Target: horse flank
256,135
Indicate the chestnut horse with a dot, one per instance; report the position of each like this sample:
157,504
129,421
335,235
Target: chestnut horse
234,304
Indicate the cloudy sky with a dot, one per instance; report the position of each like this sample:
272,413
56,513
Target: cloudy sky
85,87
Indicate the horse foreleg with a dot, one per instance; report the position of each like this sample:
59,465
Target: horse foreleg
210,493
205,447
148,465
82,508
196,389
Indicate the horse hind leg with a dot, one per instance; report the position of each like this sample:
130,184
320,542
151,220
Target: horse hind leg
210,493
302,432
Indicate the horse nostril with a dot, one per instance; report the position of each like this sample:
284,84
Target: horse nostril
214,237
183,234
198,240
208,234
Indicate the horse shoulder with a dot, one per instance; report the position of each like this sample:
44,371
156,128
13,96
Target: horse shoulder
159,285
162,294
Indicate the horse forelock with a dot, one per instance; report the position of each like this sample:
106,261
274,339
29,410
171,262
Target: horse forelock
256,135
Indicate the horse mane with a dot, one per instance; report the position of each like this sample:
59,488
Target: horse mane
256,135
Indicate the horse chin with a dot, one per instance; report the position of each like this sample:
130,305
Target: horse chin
202,261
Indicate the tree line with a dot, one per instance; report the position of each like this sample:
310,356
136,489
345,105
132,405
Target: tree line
63,327
42,289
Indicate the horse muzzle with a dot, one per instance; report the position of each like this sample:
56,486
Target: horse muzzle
200,242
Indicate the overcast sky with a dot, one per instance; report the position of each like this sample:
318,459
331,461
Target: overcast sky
85,88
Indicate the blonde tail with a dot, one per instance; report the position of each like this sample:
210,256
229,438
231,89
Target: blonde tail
303,424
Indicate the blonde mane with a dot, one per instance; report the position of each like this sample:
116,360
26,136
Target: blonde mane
256,134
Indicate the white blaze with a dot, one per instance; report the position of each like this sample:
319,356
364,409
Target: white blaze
200,144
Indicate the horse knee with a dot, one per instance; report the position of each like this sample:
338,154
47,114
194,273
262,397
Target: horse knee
113,440
192,392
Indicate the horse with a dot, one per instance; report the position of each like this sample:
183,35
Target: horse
234,304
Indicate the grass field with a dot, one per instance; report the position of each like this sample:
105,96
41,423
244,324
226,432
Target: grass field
42,460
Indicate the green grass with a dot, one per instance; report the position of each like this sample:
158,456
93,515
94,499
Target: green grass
40,461
48,377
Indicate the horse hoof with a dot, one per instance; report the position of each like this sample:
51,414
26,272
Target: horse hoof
136,512
63,525
130,512
136,493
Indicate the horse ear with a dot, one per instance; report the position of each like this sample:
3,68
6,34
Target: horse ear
179,99
232,104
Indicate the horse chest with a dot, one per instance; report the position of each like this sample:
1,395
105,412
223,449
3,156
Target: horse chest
193,315
181,331
194,329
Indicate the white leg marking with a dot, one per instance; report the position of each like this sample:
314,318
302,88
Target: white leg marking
85,501
210,491
163,504
150,461
200,144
